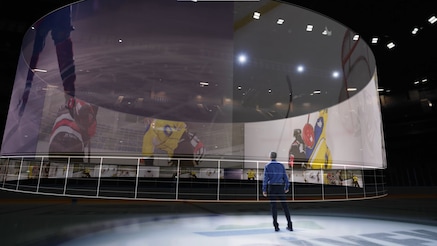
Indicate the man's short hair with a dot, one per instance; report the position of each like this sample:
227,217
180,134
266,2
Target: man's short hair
273,155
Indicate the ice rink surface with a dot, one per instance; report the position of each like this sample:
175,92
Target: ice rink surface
406,217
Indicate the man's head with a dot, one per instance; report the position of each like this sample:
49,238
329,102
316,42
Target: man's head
273,155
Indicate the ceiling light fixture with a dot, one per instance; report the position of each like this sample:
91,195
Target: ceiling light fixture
310,28
280,21
432,20
327,32
391,45
415,30
256,15
374,40
202,83
356,37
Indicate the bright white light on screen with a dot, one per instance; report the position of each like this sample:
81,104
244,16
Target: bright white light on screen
40,70
300,68
203,83
242,59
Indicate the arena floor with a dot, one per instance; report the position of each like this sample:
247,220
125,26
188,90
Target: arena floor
407,216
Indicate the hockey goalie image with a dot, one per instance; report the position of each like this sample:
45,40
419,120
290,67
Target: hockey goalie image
309,147
171,139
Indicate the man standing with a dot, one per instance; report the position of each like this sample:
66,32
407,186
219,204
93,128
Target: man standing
275,185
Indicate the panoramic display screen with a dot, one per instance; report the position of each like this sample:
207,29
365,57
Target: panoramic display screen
199,80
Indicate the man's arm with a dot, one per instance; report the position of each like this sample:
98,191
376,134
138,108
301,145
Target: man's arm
286,181
265,182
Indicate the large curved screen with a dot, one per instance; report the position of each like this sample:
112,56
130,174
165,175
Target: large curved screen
166,78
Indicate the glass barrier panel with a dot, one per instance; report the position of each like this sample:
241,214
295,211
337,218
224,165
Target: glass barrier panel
11,174
123,182
30,175
50,179
82,177
3,170
121,177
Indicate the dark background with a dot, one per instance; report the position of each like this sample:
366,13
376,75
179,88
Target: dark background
408,110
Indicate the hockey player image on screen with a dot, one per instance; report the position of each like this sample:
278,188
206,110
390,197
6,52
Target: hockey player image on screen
317,150
332,177
58,23
297,150
312,176
171,139
73,130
